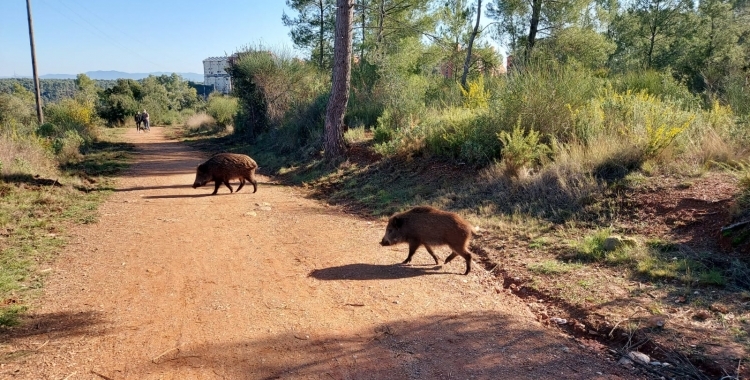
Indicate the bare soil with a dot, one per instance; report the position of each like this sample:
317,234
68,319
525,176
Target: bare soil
172,283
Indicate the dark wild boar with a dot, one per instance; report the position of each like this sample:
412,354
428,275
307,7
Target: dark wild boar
429,226
223,167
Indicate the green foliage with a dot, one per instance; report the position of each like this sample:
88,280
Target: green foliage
402,86
67,147
313,28
576,45
120,102
462,134
475,96
53,90
591,248
521,149
273,89
659,84
737,94
541,96
17,114
223,109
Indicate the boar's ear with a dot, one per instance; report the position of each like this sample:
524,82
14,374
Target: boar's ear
398,222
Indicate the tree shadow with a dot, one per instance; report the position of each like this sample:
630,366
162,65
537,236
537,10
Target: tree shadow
29,179
481,345
53,325
374,272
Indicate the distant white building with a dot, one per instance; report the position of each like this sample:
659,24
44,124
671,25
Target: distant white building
215,73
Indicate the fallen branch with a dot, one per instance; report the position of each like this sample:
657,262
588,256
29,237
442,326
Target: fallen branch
735,226
100,375
156,359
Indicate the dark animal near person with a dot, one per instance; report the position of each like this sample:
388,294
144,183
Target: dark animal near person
138,122
428,226
223,167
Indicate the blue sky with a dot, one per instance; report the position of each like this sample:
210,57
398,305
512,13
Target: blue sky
136,36
76,36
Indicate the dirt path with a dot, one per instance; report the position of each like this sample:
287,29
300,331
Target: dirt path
172,283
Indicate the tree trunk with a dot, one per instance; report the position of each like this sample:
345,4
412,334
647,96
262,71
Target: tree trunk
342,58
474,33
362,47
651,43
381,21
536,10
322,37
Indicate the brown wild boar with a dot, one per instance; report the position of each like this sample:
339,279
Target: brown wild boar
223,167
429,226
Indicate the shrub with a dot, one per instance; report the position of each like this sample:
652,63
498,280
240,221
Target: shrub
68,147
463,134
541,97
521,150
659,84
70,115
475,96
271,87
222,109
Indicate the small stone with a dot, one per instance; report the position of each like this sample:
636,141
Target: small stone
719,308
624,361
639,356
251,213
657,321
702,315
656,364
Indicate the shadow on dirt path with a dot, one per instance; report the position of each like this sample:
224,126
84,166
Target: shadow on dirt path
172,283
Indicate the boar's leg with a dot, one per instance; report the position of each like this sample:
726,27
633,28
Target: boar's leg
251,180
231,189
466,255
217,183
413,245
242,183
429,250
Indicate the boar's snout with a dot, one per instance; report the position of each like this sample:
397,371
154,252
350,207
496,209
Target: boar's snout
385,242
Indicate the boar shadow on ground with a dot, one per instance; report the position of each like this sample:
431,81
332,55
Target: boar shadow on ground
374,272
137,188
178,196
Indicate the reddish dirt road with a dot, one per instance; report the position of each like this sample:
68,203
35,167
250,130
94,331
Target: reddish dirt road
173,283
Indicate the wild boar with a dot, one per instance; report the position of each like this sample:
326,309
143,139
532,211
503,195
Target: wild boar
429,226
223,167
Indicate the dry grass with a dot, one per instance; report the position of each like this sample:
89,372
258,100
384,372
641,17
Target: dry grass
201,122
25,156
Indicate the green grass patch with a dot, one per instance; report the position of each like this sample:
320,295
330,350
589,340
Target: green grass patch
591,247
552,267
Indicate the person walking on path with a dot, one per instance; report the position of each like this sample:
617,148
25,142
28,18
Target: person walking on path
146,120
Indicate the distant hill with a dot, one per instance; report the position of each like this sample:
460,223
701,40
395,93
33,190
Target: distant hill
112,75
